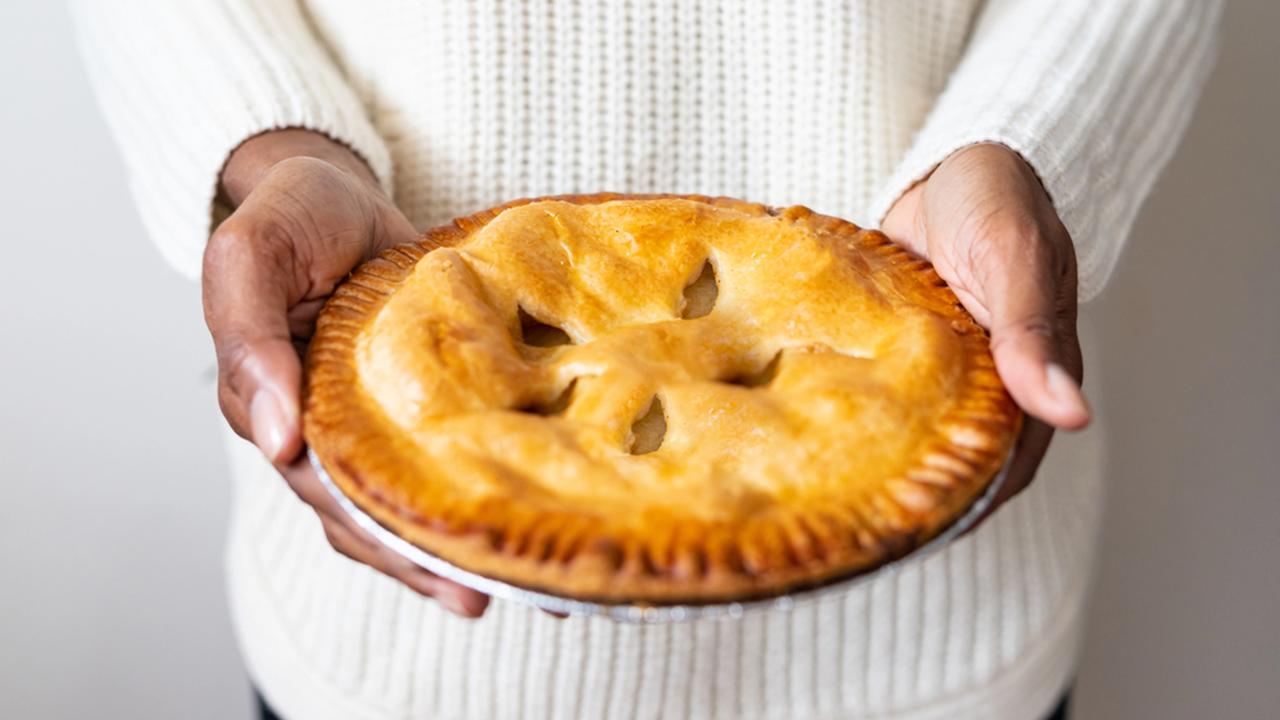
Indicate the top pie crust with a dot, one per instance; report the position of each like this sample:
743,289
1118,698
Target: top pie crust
494,392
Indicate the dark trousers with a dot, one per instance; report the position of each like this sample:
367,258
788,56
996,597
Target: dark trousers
1059,713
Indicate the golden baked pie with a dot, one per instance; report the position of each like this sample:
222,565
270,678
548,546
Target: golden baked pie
655,399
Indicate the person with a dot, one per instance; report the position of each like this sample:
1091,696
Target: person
274,145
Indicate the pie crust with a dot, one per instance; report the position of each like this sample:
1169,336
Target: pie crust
655,398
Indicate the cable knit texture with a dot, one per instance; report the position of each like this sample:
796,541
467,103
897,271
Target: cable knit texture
837,105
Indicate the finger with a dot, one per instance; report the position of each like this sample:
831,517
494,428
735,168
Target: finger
247,276
345,542
347,537
302,319
391,227
456,598
343,538
1029,451
306,484
1024,297
904,223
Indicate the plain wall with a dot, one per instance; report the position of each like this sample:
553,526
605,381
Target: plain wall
1185,621
111,454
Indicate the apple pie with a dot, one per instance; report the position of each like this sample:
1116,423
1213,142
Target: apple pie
655,399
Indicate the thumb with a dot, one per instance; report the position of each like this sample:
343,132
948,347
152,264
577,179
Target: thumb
270,379
1032,324
246,307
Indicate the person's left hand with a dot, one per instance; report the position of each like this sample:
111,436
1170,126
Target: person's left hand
986,223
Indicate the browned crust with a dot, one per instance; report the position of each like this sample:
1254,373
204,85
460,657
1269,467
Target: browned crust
560,554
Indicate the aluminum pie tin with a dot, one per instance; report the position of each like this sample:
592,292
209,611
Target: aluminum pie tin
643,613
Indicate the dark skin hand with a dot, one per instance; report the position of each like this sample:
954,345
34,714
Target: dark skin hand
986,223
307,211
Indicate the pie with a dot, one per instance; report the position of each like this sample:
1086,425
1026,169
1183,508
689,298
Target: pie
655,399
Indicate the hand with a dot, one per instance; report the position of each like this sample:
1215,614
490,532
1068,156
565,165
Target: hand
307,212
986,223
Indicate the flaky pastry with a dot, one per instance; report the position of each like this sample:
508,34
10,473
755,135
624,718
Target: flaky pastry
655,399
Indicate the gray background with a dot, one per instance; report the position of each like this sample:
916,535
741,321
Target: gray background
111,457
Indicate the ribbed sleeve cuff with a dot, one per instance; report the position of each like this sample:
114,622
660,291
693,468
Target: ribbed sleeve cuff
1094,95
183,84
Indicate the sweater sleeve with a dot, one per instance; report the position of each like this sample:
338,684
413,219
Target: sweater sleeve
182,84
1094,94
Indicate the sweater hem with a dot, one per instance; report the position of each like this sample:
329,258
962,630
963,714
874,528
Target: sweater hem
1026,689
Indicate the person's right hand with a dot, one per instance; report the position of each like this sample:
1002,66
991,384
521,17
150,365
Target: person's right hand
307,211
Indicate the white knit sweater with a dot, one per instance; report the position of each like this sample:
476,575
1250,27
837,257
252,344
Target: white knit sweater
835,105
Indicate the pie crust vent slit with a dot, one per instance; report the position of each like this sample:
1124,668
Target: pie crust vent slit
649,429
556,406
700,295
539,334
760,378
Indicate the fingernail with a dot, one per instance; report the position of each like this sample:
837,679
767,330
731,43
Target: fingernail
269,424
453,604
1064,388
